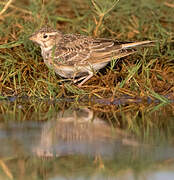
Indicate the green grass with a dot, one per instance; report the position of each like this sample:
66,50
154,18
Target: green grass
149,73
146,76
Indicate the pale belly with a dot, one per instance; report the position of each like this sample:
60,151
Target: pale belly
75,71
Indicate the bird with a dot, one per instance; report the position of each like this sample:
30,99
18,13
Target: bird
79,57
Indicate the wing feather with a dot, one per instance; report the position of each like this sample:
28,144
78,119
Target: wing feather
82,50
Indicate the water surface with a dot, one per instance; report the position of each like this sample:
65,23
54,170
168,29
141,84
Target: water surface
67,140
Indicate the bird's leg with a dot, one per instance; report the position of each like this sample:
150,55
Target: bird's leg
79,79
86,79
75,75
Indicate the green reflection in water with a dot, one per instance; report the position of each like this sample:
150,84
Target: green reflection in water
58,139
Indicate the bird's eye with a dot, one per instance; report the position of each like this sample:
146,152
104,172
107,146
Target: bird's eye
45,36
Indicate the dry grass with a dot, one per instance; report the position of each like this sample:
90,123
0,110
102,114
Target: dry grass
148,73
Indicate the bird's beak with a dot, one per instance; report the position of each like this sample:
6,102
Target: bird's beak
32,38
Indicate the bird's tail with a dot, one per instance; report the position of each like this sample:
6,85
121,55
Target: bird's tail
134,44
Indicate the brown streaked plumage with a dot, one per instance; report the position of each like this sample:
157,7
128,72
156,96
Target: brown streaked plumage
79,56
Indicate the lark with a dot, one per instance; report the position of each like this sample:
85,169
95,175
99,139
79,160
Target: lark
79,57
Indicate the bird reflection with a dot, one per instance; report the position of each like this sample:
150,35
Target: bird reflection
75,131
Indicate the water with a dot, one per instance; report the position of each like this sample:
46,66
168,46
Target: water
66,140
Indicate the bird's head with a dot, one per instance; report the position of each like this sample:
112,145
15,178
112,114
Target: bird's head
46,37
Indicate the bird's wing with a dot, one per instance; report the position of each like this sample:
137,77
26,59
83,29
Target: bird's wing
73,50
103,50
82,50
